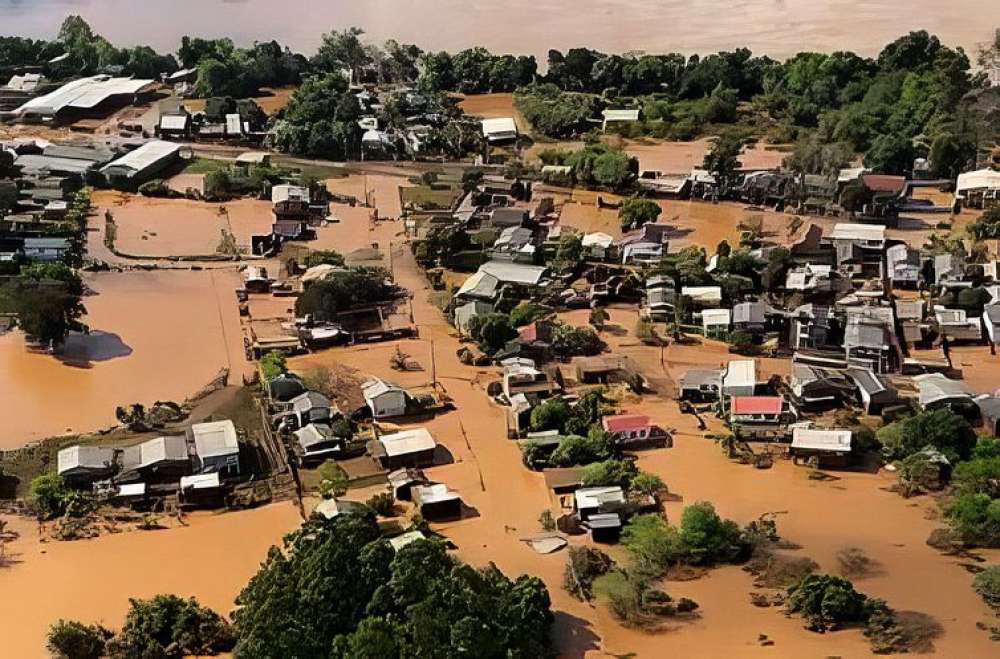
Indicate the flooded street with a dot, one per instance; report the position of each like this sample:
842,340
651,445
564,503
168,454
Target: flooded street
159,335
776,27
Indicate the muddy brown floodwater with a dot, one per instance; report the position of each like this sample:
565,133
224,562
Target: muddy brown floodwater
91,580
159,335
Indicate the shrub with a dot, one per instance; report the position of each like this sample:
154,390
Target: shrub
526,313
647,484
75,640
49,495
827,602
653,544
976,519
583,566
576,450
272,365
987,584
610,472
323,257
170,625
707,537
569,341
942,429
637,211
383,504
550,415
333,480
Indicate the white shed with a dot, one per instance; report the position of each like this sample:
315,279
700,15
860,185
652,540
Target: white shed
384,399
740,378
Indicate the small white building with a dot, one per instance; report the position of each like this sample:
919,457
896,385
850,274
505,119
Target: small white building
217,445
85,463
740,378
499,130
384,399
715,322
619,117
408,448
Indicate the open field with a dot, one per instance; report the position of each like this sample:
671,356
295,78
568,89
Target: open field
159,335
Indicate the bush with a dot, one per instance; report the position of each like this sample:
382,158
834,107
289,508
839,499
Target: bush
610,472
987,584
941,429
272,365
976,519
653,544
168,625
323,257
583,566
383,504
647,484
333,480
709,538
550,415
576,450
827,602
526,313
637,211
49,495
75,640
569,341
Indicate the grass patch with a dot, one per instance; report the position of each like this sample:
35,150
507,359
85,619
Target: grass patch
428,198
205,166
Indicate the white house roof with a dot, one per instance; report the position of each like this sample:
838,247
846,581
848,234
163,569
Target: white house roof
821,440
437,493
703,293
740,373
501,127
145,156
715,317
597,239
160,449
132,490
594,497
407,442
84,457
84,93
850,174
174,121
480,283
401,541
376,387
621,115
514,273
281,193
201,481
979,179
214,439
935,387
847,231
312,434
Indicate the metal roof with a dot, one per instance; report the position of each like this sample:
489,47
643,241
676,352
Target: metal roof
215,439
146,156
437,493
715,317
621,115
500,127
741,373
174,121
407,442
821,440
84,93
41,163
84,457
514,273
160,449
846,231
979,179
625,422
935,387
281,193
594,497
757,404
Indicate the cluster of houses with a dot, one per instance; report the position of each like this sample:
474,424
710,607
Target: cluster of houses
198,467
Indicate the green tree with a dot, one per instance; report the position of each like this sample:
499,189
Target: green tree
74,640
647,484
552,414
583,566
987,584
343,51
941,429
723,158
272,365
610,472
976,519
986,226
890,154
827,602
637,211
707,537
49,495
653,544
492,331
375,638
168,624
570,341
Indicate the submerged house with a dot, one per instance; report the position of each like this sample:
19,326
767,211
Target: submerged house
699,385
739,378
142,164
318,442
437,502
860,249
829,448
384,399
938,391
82,465
635,431
159,459
408,448
291,208
217,446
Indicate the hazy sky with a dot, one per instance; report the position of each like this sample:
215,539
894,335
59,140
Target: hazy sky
776,27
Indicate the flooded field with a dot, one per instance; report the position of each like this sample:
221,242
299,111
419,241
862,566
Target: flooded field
154,336
91,580
778,29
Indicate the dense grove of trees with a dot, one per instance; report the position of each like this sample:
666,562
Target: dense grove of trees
344,290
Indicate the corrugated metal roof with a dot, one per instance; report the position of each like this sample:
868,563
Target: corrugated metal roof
514,273
846,231
146,156
84,94
822,440
407,442
215,439
501,127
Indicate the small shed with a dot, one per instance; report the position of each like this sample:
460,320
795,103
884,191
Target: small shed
830,448
740,378
402,482
498,130
384,399
217,446
161,458
596,500
715,322
80,465
407,448
605,527
318,442
437,502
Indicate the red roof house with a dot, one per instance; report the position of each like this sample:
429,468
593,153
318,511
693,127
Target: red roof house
634,430
757,405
